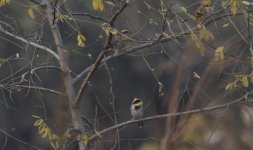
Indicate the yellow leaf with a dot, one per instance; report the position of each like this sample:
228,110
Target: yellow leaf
38,122
219,54
245,81
234,8
80,40
4,2
53,137
198,44
35,116
228,86
251,78
41,128
54,144
98,5
205,34
30,13
183,9
113,31
108,29
85,139
45,132
207,2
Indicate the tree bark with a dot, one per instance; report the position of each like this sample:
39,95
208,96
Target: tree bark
64,65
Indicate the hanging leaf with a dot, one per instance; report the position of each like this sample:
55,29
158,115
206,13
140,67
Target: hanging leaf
54,144
207,3
228,87
247,3
38,122
108,29
35,116
234,8
81,40
30,13
85,139
219,54
98,5
198,43
245,81
204,33
183,9
4,2
45,132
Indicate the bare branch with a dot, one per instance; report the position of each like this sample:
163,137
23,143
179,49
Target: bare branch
206,109
100,56
41,88
89,15
50,51
14,138
128,51
148,44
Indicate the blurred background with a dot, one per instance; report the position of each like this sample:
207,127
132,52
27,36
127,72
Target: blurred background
169,77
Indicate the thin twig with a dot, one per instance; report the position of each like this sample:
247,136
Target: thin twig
41,88
89,15
206,109
100,56
31,71
50,51
128,51
14,138
145,45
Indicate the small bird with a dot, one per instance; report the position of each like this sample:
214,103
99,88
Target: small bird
137,110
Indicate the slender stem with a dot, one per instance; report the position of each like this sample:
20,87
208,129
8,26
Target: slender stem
100,56
18,140
206,109
30,43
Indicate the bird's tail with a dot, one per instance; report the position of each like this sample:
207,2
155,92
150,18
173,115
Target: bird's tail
141,124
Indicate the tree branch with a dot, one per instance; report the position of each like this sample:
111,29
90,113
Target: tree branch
14,138
64,65
41,88
145,45
128,51
100,56
30,43
211,108
89,15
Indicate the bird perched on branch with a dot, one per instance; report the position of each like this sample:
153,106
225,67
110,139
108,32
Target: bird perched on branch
137,110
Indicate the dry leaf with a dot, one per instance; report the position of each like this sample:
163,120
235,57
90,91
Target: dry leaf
30,13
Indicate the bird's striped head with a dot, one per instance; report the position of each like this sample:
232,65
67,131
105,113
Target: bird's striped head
137,102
